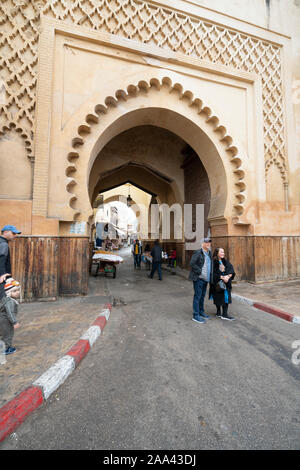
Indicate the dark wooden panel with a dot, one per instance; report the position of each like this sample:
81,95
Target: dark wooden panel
269,259
91,248
239,251
291,257
277,258
48,267
240,254
74,265
34,264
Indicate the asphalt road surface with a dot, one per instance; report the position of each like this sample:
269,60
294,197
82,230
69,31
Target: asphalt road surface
157,380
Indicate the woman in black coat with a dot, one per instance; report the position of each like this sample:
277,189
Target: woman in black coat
222,270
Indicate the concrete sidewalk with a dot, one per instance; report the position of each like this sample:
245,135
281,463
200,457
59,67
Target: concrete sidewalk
283,295
47,331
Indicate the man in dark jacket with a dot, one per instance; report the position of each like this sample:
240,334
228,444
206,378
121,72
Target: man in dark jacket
156,254
201,274
8,321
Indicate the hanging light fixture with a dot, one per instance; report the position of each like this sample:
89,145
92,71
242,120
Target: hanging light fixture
129,199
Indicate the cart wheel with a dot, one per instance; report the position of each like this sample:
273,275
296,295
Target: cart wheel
115,272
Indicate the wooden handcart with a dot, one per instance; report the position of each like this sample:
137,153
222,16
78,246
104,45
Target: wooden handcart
105,262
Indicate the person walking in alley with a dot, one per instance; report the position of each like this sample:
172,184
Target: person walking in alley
222,271
201,274
137,253
8,321
156,254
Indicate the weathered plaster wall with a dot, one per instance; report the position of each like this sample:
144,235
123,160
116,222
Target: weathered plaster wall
15,168
16,212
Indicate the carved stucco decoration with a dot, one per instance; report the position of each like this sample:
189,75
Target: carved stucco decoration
147,23
92,119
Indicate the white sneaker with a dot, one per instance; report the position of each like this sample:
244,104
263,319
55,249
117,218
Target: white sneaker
229,318
200,320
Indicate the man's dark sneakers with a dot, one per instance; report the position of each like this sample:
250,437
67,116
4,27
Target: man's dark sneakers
10,350
227,317
204,315
199,319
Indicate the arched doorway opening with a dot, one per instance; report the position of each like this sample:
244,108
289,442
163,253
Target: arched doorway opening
119,207
164,167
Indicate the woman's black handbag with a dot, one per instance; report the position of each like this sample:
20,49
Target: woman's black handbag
220,286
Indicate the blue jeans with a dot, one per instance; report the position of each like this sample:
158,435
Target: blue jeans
156,266
200,287
137,260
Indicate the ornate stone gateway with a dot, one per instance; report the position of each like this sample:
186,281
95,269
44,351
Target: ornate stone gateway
78,74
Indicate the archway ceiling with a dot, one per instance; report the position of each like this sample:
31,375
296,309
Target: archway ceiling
136,164
142,176
132,183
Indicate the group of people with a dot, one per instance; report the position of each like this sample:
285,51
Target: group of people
217,272
155,254
207,269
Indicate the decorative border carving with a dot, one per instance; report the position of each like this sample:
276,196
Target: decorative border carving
133,91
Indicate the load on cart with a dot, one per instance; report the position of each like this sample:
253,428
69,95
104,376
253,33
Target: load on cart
105,262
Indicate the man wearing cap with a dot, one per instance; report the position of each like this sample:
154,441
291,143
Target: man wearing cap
8,321
201,275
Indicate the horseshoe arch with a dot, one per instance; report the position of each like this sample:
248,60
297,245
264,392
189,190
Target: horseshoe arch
161,103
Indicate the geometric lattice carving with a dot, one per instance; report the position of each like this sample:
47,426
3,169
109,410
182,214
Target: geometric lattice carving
132,91
18,58
144,22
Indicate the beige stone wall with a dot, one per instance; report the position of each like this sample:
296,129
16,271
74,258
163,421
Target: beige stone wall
17,213
15,168
244,77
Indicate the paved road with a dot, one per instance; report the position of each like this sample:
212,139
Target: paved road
157,380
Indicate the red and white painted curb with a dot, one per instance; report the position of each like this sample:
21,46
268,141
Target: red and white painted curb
13,413
269,309
277,312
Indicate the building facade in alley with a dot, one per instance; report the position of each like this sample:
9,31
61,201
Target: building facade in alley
195,102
